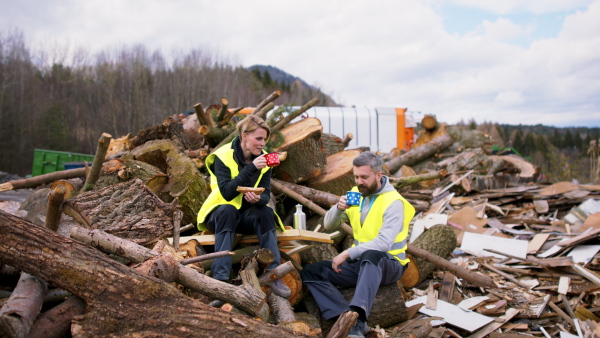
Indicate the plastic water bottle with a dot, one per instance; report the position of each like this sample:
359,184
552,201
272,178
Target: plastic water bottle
299,218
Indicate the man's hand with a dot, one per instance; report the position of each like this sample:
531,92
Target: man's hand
342,203
251,197
339,260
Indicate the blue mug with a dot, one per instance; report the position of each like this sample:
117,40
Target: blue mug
353,198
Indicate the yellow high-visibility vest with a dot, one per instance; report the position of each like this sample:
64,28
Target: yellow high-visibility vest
374,221
215,199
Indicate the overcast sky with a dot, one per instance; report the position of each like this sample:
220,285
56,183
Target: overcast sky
506,61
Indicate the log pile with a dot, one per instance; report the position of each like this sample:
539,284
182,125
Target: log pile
110,243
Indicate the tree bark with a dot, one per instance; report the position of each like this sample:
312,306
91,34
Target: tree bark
56,322
418,154
474,159
123,170
388,308
342,326
170,129
94,174
262,113
440,241
186,183
332,144
223,109
322,198
128,210
121,302
338,176
406,181
36,181
242,297
306,158
25,302
430,250
301,199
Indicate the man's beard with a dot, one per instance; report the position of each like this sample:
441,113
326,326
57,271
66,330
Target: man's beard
368,190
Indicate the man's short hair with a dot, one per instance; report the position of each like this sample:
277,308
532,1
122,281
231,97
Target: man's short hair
370,159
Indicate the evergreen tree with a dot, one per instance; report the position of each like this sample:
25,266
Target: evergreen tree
257,74
541,144
267,80
568,140
472,124
529,144
517,140
556,139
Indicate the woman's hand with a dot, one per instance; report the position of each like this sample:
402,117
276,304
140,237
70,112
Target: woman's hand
251,197
260,162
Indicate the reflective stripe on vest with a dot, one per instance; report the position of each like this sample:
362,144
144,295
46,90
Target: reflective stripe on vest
215,199
369,230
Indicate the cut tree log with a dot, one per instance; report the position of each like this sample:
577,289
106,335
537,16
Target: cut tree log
342,326
243,297
473,159
128,210
122,170
72,186
36,181
525,169
203,119
306,158
418,154
338,176
152,307
119,147
94,174
170,129
24,304
439,240
322,198
429,122
186,183
262,113
223,110
56,322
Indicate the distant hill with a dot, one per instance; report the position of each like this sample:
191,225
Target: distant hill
288,82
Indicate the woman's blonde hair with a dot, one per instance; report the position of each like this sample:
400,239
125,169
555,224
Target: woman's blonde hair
251,123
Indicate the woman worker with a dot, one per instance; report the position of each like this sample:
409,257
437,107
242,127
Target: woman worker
227,211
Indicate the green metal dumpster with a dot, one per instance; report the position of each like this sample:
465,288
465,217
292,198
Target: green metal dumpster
48,161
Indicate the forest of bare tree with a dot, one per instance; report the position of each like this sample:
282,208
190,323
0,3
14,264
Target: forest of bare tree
63,98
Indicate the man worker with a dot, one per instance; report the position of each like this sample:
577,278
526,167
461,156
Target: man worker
378,256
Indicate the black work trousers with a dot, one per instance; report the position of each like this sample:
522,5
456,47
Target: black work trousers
371,270
225,221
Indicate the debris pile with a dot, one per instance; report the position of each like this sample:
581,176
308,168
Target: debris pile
113,249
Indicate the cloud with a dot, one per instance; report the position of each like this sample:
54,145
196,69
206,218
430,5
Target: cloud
374,54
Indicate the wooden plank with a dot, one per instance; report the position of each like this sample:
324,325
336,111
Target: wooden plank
476,244
288,235
491,327
452,314
563,285
586,273
537,242
447,290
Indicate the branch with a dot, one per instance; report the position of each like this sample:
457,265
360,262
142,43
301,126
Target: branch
266,101
295,114
202,118
101,150
223,110
406,181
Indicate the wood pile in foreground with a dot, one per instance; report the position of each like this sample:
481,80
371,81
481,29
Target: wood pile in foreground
495,252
